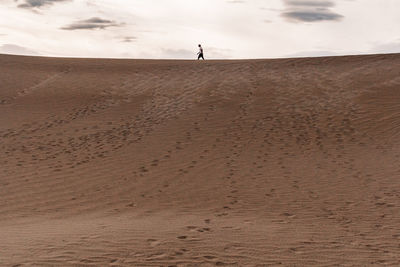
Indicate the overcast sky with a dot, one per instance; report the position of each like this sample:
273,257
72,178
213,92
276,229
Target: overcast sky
173,28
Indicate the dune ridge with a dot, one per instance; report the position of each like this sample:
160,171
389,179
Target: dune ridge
111,162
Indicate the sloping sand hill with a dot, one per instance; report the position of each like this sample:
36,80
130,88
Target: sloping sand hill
184,163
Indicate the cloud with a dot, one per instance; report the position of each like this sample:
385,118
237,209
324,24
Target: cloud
39,3
91,24
311,16
17,50
309,3
391,47
313,53
128,39
310,11
179,53
221,53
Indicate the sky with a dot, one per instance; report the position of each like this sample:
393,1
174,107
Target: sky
227,29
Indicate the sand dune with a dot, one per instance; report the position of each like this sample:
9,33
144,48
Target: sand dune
292,162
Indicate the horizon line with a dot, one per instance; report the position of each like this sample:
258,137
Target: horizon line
212,59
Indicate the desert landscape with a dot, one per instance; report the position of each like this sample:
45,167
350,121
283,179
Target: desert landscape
117,162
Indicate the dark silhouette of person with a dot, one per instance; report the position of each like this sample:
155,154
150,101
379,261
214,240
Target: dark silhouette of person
200,53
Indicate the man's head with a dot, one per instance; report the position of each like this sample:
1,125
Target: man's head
199,45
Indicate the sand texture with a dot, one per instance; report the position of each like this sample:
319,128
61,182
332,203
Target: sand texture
292,162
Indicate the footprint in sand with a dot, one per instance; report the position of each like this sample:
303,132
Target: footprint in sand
198,229
153,242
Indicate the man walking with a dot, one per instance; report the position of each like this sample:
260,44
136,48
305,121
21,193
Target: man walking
200,53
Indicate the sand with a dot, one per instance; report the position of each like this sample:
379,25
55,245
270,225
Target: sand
292,162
